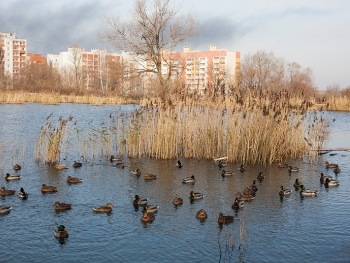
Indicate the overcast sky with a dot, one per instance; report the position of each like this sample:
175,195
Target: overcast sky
313,33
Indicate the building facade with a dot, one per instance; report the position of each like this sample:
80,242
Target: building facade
13,54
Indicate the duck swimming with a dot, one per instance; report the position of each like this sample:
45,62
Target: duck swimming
179,164
201,214
60,232
260,176
48,189
331,165
115,159
104,209
226,173
331,183
60,167
5,209
17,167
4,192
136,172
238,204
73,180
324,177
293,169
241,168
337,170
284,192
297,184
150,209
22,194
189,180
307,192
10,177
178,201
194,195
77,164
139,201
224,219
245,198
148,176
62,206
147,217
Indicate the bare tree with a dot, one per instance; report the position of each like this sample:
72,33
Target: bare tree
155,29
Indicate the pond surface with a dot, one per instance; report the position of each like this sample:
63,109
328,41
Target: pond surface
269,229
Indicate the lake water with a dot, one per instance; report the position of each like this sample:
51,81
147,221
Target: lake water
269,229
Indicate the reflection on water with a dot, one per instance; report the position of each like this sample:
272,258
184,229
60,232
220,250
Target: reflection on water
265,230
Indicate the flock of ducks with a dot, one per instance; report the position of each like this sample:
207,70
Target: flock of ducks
149,210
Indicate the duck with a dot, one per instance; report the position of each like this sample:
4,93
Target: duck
284,192
260,176
61,232
324,177
4,192
147,217
189,180
136,172
254,187
245,198
238,204
201,214
115,159
104,209
224,219
120,165
77,164
48,189
241,168
179,164
73,180
248,191
178,201
283,165
22,194
17,167
139,201
150,208
337,170
226,173
331,183
60,167
5,209
195,195
222,163
10,177
307,192
297,184
62,206
331,165
148,176
293,169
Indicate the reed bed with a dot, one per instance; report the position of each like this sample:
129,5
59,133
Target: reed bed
338,103
261,132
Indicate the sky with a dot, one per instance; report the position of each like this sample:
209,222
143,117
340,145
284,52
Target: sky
312,33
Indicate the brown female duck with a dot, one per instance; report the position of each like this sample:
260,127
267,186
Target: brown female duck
48,189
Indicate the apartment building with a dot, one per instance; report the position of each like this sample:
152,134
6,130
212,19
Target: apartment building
13,54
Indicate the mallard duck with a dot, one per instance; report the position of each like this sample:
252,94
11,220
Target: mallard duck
201,214
337,170
150,209
77,164
189,180
104,209
297,184
238,204
136,172
226,173
260,176
73,180
139,201
245,198
60,232
283,165
331,183
62,206
307,192
17,167
48,189
60,167
4,192
324,177
148,176
194,195
293,169
254,187
284,192
147,217
222,163
10,177
248,191
22,194
120,165
5,209
331,165
241,168
179,164
224,219
115,159
178,201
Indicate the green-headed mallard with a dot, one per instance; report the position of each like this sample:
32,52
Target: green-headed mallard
283,191
196,195
189,180
307,192
60,232
10,177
